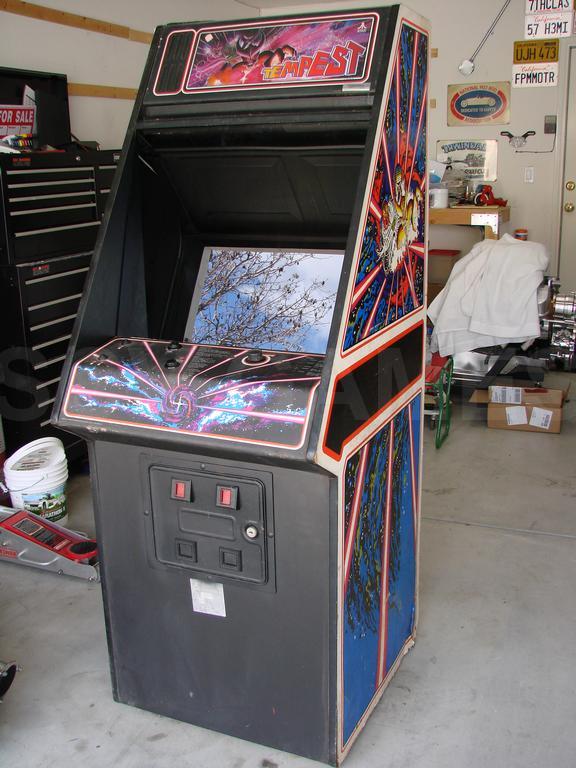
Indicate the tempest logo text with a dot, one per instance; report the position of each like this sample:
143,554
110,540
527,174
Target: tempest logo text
344,61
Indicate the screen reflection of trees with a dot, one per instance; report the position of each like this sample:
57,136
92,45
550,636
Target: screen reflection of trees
279,300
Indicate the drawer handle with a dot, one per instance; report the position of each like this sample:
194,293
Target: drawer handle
55,196
51,342
70,169
51,183
53,322
47,363
52,209
34,280
57,229
73,296
44,403
48,383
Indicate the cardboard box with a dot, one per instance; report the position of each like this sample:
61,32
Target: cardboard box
521,409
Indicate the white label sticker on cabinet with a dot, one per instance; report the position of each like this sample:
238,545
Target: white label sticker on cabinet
208,598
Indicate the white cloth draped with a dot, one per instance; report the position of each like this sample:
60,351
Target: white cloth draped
490,297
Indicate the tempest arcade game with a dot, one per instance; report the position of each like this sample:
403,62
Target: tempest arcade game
248,367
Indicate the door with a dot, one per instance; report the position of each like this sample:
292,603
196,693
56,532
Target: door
567,271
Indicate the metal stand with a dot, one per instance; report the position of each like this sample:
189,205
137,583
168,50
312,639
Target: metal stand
438,386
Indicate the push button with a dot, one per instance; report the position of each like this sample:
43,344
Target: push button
231,559
226,496
181,490
188,550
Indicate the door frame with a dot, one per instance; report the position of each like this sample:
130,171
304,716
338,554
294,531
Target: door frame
567,50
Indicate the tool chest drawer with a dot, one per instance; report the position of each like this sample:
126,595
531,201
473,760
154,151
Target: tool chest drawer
54,280
52,204
50,210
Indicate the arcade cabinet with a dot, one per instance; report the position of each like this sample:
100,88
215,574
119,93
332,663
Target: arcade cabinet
247,368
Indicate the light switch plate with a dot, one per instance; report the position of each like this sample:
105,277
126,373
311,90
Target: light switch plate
529,175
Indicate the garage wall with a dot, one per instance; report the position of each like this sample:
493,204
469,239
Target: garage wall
457,28
89,57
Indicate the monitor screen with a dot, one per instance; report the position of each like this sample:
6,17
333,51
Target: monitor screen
264,298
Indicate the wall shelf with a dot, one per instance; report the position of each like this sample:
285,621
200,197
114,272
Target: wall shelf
489,217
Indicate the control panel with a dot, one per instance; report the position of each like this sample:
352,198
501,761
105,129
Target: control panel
211,523
234,393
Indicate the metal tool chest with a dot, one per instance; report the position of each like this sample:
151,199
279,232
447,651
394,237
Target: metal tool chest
51,205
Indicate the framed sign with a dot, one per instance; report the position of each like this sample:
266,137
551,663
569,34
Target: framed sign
479,104
467,160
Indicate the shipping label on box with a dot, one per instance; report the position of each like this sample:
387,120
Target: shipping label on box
516,415
541,418
505,395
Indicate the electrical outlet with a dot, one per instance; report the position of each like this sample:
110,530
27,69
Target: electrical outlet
550,124
529,175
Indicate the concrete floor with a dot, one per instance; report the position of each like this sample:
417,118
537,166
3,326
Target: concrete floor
490,682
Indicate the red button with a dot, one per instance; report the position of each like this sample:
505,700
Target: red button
226,497
179,490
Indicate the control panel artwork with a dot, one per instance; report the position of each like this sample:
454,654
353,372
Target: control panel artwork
220,392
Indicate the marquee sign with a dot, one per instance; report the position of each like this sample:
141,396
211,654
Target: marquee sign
326,50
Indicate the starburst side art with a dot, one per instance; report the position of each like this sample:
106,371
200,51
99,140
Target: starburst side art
389,283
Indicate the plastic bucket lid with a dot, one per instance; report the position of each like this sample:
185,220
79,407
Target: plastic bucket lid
38,455
41,472
41,464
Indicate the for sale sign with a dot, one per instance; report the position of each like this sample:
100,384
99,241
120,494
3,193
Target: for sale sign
16,119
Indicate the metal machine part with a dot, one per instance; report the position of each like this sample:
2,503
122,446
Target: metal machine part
556,345
480,366
8,671
559,329
28,539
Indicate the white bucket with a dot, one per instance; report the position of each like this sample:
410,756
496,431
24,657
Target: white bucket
36,477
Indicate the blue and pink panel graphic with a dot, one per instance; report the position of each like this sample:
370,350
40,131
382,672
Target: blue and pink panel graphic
379,560
327,50
389,282
199,390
